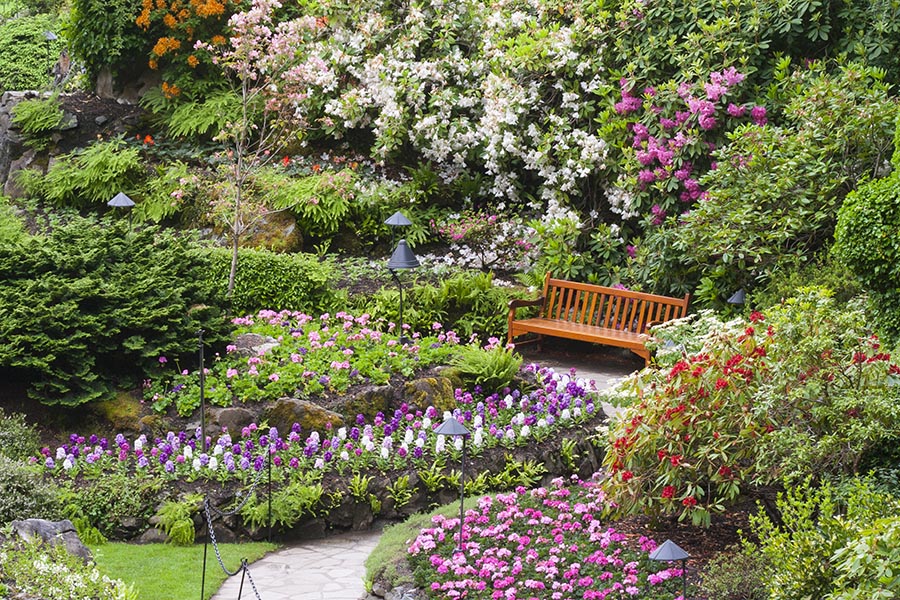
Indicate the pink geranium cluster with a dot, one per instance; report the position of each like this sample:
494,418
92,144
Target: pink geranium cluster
542,543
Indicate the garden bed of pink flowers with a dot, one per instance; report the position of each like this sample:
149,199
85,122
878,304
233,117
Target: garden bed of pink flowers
545,543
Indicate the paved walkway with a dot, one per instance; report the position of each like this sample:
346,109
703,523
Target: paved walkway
328,569
333,568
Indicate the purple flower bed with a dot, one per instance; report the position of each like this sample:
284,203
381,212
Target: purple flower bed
539,544
395,441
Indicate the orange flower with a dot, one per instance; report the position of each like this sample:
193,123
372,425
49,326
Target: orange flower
169,21
193,61
143,21
219,40
170,90
148,139
316,168
153,64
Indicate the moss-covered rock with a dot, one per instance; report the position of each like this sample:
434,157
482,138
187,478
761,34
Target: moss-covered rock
368,402
430,391
122,412
311,417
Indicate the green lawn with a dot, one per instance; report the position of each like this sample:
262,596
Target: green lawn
165,572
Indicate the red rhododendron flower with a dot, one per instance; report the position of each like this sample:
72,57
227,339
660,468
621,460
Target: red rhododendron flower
668,491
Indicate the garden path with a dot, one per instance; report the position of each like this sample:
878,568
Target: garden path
333,568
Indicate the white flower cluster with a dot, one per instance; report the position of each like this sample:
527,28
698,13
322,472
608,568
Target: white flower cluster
501,88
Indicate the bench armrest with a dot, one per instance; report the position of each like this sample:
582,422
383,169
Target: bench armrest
514,304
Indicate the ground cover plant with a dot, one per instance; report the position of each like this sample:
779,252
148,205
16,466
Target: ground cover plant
544,542
333,464
50,572
312,355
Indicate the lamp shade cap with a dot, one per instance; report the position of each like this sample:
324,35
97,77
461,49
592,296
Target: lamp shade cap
739,297
121,200
403,257
669,550
451,427
398,219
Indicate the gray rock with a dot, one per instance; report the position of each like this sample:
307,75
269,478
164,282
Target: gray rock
101,120
153,536
254,344
55,533
69,121
234,418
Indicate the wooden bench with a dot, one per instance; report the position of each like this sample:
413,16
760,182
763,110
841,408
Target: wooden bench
598,314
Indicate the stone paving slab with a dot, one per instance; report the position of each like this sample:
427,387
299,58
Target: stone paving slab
328,569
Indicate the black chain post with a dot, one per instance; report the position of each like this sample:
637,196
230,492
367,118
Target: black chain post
202,396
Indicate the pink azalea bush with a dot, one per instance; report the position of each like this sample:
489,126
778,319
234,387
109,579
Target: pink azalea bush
542,543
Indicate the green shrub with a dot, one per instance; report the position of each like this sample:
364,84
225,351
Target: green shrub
90,177
491,368
865,240
105,501
267,280
103,35
12,229
25,494
320,202
91,306
738,573
164,196
18,439
27,55
37,118
774,198
467,303
831,542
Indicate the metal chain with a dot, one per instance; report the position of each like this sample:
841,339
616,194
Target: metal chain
244,567
207,507
246,499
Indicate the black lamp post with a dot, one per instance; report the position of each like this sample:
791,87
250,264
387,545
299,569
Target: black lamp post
122,201
453,427
202,395
402,258
398,219
739,297
670,551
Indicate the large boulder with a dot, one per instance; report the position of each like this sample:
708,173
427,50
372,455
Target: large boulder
368,402
284,412
254,344
430,391
233,418
55,533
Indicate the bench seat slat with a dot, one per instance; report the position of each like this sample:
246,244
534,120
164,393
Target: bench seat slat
579,331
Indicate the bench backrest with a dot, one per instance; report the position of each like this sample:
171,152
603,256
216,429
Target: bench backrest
612,308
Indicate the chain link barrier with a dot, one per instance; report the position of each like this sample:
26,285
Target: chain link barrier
208,509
